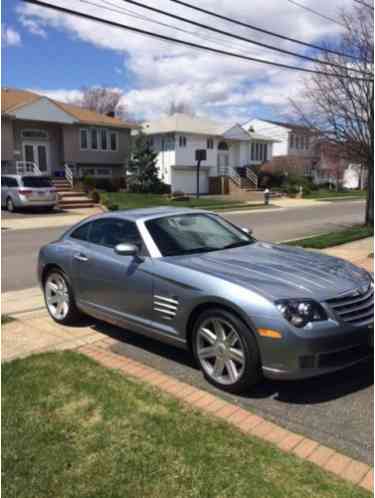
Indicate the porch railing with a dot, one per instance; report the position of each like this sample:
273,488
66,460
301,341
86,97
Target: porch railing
231,173
69,174
250,175
27,167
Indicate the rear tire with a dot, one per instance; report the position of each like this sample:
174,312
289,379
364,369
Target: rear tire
226,351
59,298
10,205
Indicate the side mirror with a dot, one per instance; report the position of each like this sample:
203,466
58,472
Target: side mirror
126,249
247,230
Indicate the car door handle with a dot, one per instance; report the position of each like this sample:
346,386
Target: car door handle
80,257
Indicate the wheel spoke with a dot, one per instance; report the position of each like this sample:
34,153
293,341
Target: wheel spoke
208,352
219,330
218,367
52,286
52,299
232,338
237,355
232,370
208,335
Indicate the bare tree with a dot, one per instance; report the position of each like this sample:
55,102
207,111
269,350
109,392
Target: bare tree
341,105
102,100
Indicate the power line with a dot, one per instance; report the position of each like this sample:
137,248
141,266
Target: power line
365,4
238,37
121,10
262,30
323,16
186,43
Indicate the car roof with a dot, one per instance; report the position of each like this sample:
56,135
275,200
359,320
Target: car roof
143,214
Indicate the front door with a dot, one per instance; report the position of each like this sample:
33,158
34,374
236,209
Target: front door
118,286
222,162
37,153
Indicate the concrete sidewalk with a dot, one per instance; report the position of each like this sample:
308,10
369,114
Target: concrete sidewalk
29,222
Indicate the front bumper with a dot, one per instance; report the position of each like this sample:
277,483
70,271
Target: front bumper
299,356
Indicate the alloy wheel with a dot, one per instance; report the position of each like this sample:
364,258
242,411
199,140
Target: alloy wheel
220,351
57,296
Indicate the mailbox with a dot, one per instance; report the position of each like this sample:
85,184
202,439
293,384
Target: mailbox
201,155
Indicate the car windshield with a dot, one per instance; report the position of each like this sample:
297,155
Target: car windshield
36,181
195,233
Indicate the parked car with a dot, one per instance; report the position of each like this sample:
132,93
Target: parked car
27,191
245,308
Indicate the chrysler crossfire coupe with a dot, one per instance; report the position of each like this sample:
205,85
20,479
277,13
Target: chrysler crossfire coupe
243,307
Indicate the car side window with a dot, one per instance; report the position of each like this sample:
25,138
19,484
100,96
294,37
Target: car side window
82,232
109,232
4,182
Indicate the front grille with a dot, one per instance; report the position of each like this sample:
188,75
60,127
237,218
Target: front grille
354,308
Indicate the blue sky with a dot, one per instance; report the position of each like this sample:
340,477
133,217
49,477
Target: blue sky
59,54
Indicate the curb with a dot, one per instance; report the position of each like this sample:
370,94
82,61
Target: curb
326,458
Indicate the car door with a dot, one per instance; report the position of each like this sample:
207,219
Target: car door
108,282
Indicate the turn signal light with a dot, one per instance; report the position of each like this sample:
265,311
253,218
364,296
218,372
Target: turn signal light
273,334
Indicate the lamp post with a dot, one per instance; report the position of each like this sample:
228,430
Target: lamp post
200,155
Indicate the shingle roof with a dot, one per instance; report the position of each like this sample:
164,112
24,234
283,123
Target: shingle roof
291,126
12,99
184,123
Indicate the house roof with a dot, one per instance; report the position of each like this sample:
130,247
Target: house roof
291,126
13,99
185,123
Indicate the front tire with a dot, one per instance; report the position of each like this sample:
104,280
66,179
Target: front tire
59,298
226,351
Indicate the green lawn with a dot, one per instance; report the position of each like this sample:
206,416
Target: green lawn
72,428
125,200
327,194
334,238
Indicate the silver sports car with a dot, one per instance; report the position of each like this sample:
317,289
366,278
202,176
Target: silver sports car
245,308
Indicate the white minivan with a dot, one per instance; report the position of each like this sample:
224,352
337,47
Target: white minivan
27,191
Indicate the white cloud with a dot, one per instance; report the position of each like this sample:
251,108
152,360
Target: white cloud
216,85
10,37
34,27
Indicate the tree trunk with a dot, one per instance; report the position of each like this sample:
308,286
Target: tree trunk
370,195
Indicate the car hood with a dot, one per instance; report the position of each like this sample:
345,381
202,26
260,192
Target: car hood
277,271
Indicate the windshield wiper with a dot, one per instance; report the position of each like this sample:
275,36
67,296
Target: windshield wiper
238,244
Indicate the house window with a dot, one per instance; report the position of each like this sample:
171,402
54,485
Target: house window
103,139
103,171
113,140
150,142
253,152
94,138
182,141
223,146
84,142
257,152
291,140
34,134
210,143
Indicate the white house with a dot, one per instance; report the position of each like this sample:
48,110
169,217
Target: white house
291,139
231,151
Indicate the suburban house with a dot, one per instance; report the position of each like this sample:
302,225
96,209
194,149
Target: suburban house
231,151
299,150
58,138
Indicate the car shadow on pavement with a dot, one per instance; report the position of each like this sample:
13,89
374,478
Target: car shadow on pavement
302,392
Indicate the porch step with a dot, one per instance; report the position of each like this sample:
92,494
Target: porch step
76,205
70,193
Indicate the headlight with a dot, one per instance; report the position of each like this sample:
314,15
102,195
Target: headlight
300,312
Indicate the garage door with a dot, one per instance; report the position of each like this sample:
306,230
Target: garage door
186,181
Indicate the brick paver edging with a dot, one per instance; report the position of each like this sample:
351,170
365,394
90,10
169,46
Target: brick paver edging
249,423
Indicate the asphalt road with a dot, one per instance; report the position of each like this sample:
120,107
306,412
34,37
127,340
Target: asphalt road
20,247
